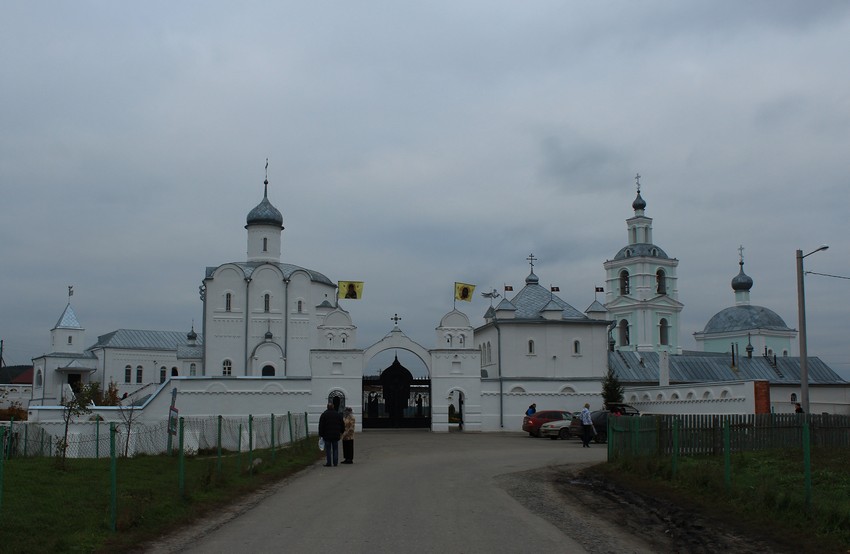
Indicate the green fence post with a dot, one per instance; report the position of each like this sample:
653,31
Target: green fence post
289,420
2,438
113,480
218,463
675,460
181,463
239,448
97,439
727,456
251,443
272,437
807,463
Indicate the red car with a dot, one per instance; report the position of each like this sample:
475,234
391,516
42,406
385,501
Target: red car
531,424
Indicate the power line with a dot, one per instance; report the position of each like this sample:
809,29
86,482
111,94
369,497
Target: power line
828,275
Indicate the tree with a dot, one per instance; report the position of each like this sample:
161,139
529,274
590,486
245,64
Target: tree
612,389
75,406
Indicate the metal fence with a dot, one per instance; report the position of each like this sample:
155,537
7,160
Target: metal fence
91,439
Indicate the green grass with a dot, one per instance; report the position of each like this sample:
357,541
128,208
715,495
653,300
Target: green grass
46,509
766,494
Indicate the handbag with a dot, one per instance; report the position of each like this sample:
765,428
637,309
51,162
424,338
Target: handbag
321,443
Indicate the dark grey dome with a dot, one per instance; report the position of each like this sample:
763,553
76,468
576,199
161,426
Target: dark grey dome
639,202
641,249
742,318
265,213
192,335
532,279
742,281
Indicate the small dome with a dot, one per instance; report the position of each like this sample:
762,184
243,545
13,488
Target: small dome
742,318
639,203
264,213
192,335
641,250
532,279
742,281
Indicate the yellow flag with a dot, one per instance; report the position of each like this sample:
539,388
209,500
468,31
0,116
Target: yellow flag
463,291
351,290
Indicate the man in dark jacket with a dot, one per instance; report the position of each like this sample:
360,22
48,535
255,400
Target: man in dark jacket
331,426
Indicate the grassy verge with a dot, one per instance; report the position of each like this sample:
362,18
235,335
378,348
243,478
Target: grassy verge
766,495
45,509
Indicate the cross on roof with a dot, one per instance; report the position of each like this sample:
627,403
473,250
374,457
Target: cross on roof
741,252
637,180
395,319
531,259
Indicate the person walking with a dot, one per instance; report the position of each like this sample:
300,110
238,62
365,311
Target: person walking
586,426
348,437
331,426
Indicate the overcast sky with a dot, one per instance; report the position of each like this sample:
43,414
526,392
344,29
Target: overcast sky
412,145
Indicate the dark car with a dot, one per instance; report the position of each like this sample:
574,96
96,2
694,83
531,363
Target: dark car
531,424
600,420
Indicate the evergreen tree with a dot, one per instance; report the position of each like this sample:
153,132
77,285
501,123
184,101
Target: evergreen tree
612,389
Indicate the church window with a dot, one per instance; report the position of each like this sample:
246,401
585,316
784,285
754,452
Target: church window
228,299
342,340
576,348
265,244
226,368
193,370
793,397
38,378
70,340
660,282
769,352
174,372
784,353
460,340
624,332
663,332
139,374
162,375
268,371
674,396
128,373
654,252
624,283
449,340
706,395
530,347
300,306
267,302
330,338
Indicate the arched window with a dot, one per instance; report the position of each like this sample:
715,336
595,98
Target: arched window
174,372
139,374
624,332
268,371
265,244
674,396
449,340
793,397
343,340
531,347
193,369
227,367
784,353
337,398
489,353
300,306
769,352
576,348
228,299
162,375
70,340
663,332
624,283
38,381
660,282
128,373
267,300
461,340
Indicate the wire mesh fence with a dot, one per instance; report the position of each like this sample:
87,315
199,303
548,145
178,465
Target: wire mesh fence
91,439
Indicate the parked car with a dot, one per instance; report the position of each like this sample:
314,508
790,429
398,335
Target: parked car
531,424
600,420
558,429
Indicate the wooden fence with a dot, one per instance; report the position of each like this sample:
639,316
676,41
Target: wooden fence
693,435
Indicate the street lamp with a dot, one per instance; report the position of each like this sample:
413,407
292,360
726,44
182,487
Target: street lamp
801,312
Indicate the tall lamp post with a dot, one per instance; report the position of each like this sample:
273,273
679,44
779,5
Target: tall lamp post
801,312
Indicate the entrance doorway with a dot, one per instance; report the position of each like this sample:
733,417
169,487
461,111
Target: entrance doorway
396,399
